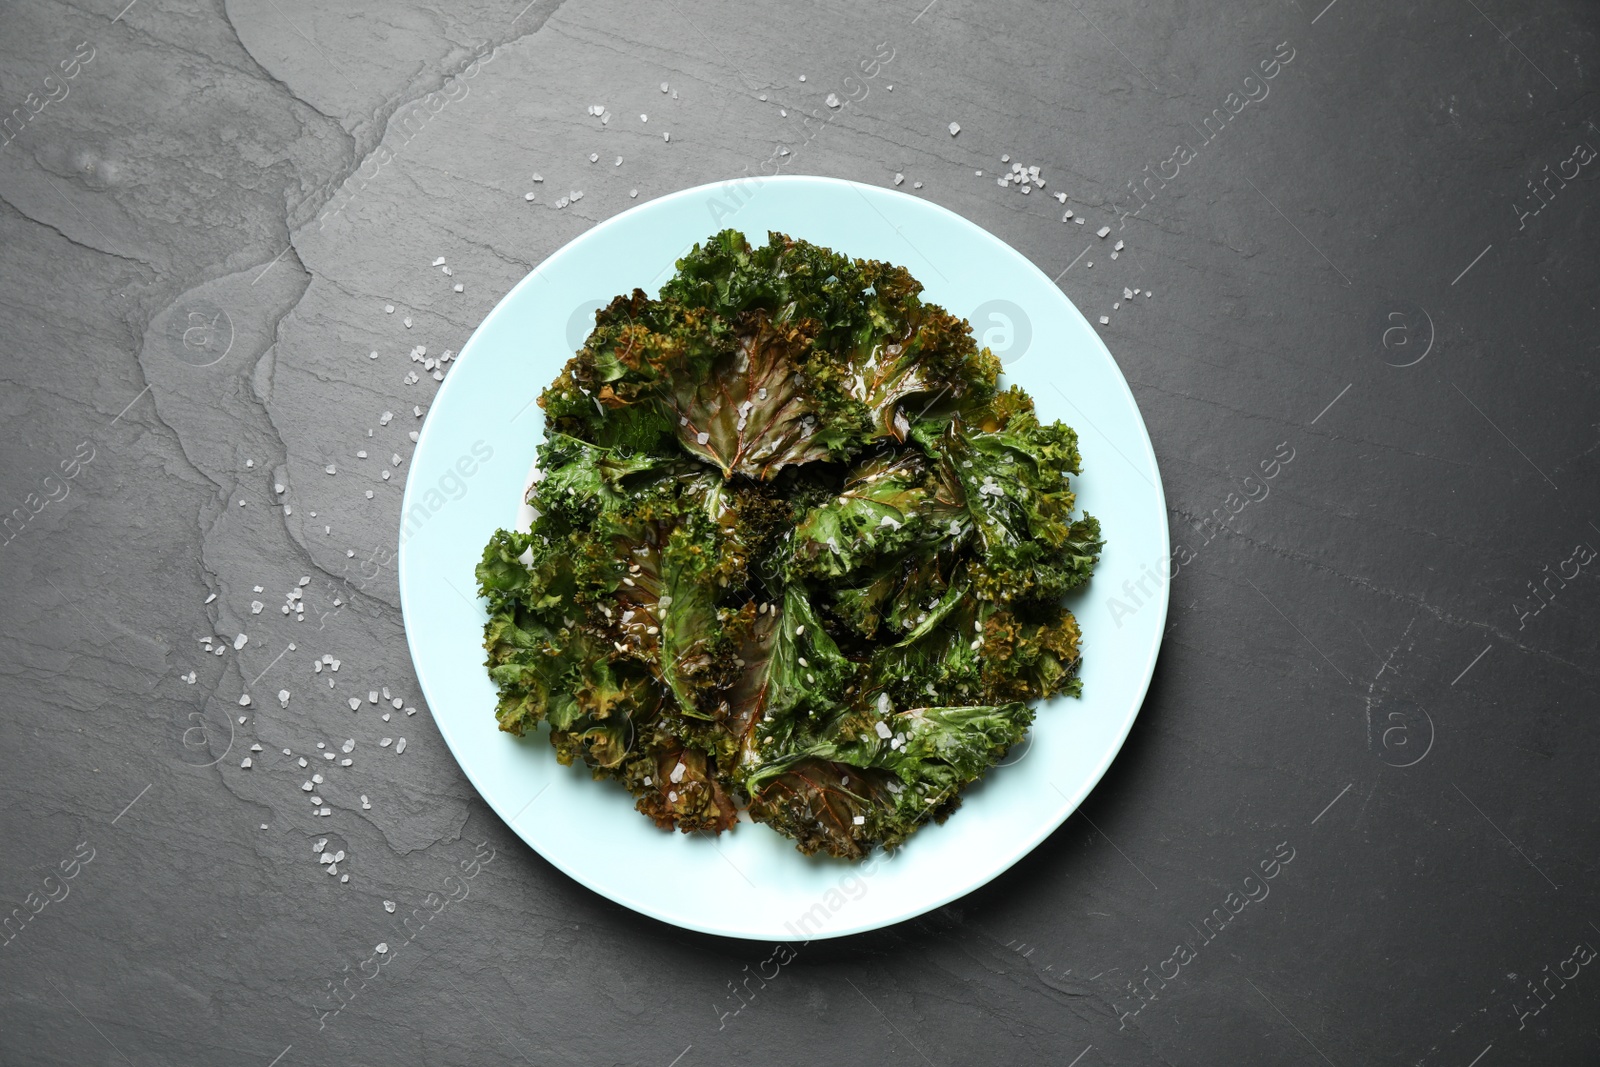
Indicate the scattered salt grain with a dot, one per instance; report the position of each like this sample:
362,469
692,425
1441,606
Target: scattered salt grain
210,598
386,742
1105,321
331,469
388,309
832,100
399,746
527,196
256,606
955,128
245,763
1102,231
860,820
898,178
664,88
244,701
388,906
355,705
594,157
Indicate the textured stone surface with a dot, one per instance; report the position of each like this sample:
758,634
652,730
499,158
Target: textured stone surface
205,211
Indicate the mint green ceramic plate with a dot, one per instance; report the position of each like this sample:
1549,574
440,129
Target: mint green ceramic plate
471,466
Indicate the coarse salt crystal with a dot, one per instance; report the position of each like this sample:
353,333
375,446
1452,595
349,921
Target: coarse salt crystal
1102,231
955,128
355,705
245,763
400,746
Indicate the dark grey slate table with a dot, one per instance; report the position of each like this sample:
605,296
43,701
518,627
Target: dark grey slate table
1369,233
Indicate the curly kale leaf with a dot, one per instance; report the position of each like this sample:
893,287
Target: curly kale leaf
774,503
1015,481
882,775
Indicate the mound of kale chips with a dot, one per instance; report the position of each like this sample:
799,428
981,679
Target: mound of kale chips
795,551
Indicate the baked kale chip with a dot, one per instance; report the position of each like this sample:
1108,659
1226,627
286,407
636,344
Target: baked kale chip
795,551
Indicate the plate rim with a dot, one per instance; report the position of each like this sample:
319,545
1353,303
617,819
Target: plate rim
1046,826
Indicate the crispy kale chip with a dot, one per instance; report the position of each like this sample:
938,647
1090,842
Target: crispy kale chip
773,504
